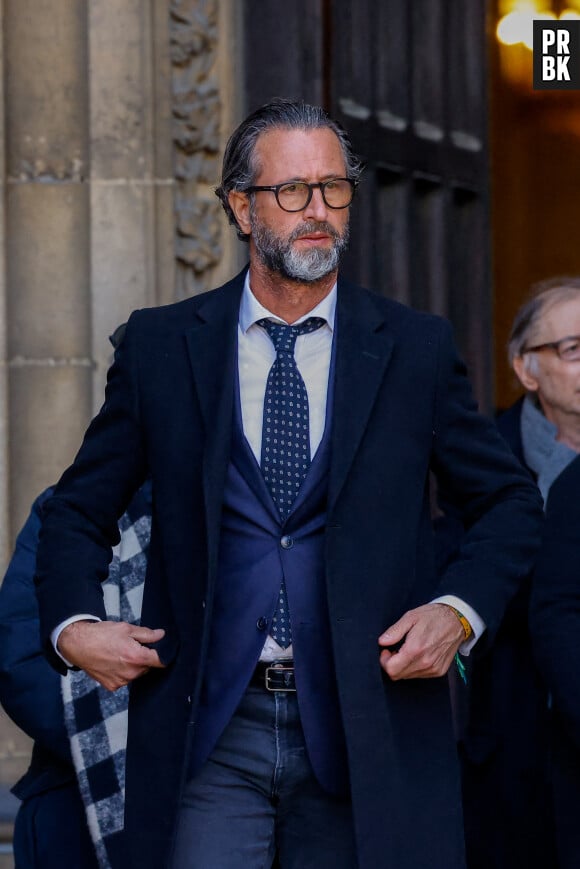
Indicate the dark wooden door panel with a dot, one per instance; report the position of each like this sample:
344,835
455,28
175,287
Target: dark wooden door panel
408,82
407,78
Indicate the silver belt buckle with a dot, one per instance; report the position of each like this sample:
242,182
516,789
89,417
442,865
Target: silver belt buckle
277,669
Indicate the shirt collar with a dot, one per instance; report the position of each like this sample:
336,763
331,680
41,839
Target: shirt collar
251,309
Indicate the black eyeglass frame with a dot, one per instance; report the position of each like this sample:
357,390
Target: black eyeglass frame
553,345
275,189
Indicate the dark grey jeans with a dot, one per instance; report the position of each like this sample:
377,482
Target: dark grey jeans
257,796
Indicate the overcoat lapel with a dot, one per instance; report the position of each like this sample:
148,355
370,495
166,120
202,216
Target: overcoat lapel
212,347
364,347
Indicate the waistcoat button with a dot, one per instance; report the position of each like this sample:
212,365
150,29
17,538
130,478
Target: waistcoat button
262,623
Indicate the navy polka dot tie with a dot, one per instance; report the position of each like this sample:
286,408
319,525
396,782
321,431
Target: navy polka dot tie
285,455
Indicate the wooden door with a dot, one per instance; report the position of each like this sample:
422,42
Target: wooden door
407,78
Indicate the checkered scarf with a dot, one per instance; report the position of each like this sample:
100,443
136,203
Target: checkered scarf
96,719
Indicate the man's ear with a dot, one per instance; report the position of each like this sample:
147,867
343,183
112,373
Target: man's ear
527,379
240,204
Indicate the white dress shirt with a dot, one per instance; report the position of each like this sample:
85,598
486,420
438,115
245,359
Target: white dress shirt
256,355
313,350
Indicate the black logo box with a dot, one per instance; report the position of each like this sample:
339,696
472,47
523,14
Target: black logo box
573,65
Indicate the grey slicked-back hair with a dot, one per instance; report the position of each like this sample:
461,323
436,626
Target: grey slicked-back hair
240,168
544,295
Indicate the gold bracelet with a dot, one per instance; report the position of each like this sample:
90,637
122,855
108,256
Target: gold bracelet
468,630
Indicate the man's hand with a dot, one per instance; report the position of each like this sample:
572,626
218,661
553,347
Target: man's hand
110,652
429,635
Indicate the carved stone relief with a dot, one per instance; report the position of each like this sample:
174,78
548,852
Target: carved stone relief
54,168
196,127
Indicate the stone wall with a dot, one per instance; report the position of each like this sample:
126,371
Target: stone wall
114,116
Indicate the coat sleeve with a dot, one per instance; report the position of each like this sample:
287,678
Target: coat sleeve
80,524
555,601
29,688
492,495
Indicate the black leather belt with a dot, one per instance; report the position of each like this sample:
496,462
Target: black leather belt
274,676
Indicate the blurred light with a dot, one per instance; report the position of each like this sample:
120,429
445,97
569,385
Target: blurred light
517,27
570,15
540,16
511,28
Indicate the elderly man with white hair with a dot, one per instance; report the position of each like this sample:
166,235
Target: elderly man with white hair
544,351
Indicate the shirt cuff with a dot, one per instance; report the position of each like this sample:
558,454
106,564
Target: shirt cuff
84,617
478,626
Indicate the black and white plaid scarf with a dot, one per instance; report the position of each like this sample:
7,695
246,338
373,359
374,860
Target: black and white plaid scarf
96,719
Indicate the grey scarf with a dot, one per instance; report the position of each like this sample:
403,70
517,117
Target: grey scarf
546,456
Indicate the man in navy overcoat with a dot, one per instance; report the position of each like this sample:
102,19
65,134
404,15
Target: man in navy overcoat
288,686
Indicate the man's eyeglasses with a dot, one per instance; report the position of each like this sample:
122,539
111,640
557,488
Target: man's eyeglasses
296,195
567,349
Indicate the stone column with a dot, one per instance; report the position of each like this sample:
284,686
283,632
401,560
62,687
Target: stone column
131,200
4,466
46,333
47,263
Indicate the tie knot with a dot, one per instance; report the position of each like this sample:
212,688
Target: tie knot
284,337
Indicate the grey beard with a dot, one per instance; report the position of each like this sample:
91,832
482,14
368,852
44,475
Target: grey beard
278,255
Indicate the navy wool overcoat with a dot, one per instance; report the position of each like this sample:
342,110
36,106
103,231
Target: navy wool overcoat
402,408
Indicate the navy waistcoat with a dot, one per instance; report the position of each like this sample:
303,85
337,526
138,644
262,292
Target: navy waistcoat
256,550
